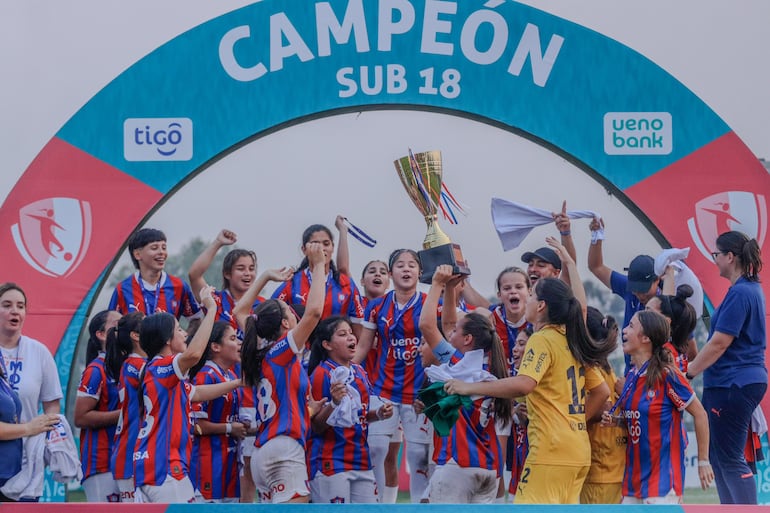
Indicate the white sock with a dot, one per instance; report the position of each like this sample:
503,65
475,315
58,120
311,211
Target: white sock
389,495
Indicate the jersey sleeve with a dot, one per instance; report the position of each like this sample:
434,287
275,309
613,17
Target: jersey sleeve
190,307
283,292
618,283
732,314
356,307
678,389
537,358
114,299
91,382
594,378
50,389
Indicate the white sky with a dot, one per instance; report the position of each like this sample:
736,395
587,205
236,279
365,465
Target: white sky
56,55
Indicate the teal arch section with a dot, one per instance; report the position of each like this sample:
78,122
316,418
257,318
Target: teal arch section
481,42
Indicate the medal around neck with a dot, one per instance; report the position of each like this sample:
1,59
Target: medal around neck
421,176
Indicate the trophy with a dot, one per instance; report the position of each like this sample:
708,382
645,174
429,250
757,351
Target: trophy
420,175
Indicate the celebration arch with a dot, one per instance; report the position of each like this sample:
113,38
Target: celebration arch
241,75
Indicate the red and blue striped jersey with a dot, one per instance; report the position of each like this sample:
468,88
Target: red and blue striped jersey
281,395
507,333
680,359
127,430
225,304
96,444
655,451
342,297
339,449
171,295
472,442
163,446
214,464
398,373
520,443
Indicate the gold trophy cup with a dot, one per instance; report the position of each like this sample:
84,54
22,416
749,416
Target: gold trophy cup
426,195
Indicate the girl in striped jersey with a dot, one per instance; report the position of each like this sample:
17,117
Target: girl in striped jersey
558,377
468,459
651,404
397,375
96,413
217,430
123,361
682,318
340,468
162,453
270,360
341,294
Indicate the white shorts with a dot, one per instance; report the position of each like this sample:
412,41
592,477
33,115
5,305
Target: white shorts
279,470
670,498
128,490
453,484
247,447
354,486
416,428
101,488
170,491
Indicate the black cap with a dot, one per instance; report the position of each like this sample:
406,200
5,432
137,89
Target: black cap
641,274
545,254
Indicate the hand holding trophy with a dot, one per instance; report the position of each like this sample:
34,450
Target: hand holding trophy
421,175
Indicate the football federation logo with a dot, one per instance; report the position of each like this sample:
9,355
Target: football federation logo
53,234
734,210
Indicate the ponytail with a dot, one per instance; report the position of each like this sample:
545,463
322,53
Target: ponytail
120,344
655,327
747,250
262,330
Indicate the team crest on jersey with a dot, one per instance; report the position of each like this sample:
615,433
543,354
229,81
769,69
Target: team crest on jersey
53,234
651,394
733,210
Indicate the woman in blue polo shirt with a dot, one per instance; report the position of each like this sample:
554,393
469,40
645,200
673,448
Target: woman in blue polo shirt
733,366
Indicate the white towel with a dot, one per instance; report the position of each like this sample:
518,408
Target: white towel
348,412
469,369
682,275
61,454
758,421
28,483
513,221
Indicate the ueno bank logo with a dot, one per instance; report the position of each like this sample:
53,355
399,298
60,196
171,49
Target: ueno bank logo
157,139
53,234
638,133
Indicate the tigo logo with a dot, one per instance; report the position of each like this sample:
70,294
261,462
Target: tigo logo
157,139
53,234
638,133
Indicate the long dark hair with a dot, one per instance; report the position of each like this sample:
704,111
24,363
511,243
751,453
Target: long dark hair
323,332
564,308
656,328
157,329
217,332
94,346
119,343
682,315
262,330
306,235
600,327
485,337
747,250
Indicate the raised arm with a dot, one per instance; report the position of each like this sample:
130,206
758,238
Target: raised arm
568,266
315,297
343,249
194,351
596,258
203,262
474,297
428,322
564,225
242,308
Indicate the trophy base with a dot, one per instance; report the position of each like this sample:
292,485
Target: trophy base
449,254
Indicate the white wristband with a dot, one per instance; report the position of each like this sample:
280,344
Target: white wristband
704,463
228,428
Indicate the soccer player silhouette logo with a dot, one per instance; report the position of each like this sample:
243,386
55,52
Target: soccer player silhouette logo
53,234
